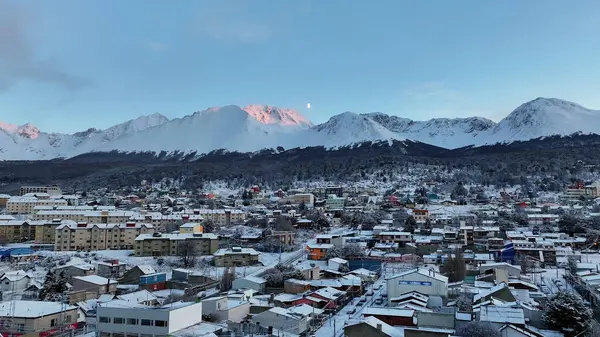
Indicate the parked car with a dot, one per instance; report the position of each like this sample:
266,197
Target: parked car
351,311
370,293
379,301
377,287
384,295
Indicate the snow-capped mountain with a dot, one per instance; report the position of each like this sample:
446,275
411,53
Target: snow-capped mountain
256,127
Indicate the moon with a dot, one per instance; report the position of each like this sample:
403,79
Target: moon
308,105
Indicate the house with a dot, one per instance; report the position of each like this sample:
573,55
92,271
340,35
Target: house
500,291
294,286
318,251
70,271
512,270
132,276
225,309
119,317
421,280
372,327
14,281
334,297
191,227
94,283
498,316
111,269
310,271
282,319
36,318
337,264
236,257
250,282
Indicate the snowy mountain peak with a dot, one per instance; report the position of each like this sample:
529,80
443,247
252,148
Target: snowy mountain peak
29,131
272,115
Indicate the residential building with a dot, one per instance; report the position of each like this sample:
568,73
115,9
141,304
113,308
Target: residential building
224,309
395,237
318,251
12,282
303,198
112,269
70,271
250,282
119,318
420,215
158,244
286,237
99,236
282,319
334,202
16,231
236,257
191,228
51,190
424,281
94,284
36,318
223,217
4,199
132,276
21,205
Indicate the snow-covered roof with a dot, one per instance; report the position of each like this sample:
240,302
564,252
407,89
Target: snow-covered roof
32,309
329,293
176,236
138,296
338,260
236,251
255,279
371,311
424,272
497,314
14,276
385,328
305,310
95,279
146,269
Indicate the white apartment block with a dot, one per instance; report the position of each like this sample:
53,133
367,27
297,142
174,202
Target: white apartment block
87,236
307,198
121,318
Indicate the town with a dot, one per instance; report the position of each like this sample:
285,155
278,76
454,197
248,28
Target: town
321,261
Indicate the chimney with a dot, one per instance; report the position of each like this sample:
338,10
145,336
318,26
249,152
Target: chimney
379,326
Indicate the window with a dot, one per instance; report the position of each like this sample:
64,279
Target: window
118,320
160,323
53,322
104,319
68,319
147,322
132,321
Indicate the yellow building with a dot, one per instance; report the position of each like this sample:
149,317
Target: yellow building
52,190
16,231
86,236
158,244
190,228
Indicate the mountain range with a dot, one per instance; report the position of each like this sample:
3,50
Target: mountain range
257,127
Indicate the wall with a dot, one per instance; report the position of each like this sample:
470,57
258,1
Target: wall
184,317
435,319
362,330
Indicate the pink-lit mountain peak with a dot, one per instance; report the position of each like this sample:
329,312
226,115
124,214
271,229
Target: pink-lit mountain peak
267,114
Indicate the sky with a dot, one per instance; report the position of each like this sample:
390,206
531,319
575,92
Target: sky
69,65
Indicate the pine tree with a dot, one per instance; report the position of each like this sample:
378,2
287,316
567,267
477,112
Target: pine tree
568,313
410,224
477,329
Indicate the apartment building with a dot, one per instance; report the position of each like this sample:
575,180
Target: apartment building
223,217
99,236
334,202
4,199
236,257
16,231
21,205
51,190
420,215
36,318
395,237
158,244
190,228
105,217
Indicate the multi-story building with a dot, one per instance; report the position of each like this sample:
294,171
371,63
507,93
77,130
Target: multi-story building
223,217
51,190
334,202
420,215
36,318
191,227
395,237
21,205
4,199
120,318
86,236
303,198
15,231
158,244
112,269
236,257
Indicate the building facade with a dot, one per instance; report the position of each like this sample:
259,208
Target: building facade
99,236
158,244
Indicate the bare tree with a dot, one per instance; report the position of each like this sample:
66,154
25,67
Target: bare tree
226,282
187,253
